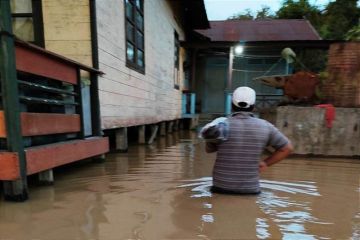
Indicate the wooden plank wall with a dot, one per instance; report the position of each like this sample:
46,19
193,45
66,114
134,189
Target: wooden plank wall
67,28
127,97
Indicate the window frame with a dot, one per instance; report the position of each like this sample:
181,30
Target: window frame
137,47
38,23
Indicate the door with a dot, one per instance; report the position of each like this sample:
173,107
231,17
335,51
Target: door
214,87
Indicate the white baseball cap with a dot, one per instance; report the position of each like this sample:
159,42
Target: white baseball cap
244,97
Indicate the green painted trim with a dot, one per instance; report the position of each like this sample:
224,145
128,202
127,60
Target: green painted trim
80,106
9,84
94,87
38,23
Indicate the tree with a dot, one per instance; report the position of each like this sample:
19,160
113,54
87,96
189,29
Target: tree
300,9
263,13
246,15
339,17
353,34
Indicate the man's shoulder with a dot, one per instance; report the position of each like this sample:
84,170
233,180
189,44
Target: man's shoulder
260,121
254,122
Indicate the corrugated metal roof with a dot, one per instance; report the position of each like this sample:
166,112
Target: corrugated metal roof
260,30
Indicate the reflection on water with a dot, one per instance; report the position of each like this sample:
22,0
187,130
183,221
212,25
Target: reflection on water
356,227
289,215
161,191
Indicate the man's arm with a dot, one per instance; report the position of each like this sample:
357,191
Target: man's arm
277,156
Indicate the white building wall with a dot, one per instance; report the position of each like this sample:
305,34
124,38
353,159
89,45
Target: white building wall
129,98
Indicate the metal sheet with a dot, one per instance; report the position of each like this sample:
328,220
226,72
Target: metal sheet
260,30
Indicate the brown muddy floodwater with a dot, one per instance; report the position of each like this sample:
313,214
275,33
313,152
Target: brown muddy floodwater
162,192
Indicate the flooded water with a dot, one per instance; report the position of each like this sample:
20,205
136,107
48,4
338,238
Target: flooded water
162,192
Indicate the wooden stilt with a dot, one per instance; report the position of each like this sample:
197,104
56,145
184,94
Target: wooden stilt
46,177
141,134
121,140
176,125
154,130
99,159
170,127
194,122
181,125
163,129
15,191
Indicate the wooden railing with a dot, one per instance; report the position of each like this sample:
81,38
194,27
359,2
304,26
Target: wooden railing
43,101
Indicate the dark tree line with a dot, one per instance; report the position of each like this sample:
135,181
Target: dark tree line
338,20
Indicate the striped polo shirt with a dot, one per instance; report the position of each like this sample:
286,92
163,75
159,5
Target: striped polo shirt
237,164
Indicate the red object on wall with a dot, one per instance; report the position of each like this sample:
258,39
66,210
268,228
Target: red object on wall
329,114
301,86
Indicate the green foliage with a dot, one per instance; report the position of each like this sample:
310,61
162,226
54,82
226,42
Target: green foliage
337,21
263,13
301,9
339,17
246,15
323,76
313,59
353,34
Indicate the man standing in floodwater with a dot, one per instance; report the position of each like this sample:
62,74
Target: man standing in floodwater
238,163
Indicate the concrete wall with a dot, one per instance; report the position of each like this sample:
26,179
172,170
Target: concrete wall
127,97
306,128
67,28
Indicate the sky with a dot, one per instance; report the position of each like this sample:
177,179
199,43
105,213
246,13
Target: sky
222,9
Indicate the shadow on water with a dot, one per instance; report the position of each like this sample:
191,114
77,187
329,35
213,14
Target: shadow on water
161,191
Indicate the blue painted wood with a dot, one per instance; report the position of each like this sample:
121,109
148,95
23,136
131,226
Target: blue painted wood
228,97
213,99
192,103
183,103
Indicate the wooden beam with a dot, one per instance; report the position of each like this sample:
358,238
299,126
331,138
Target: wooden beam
9,166
35,62
49,156
34,124
56,56
2,125
45,157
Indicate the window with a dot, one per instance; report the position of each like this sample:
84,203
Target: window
271,61
256,61
176,61
27,23
134,25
